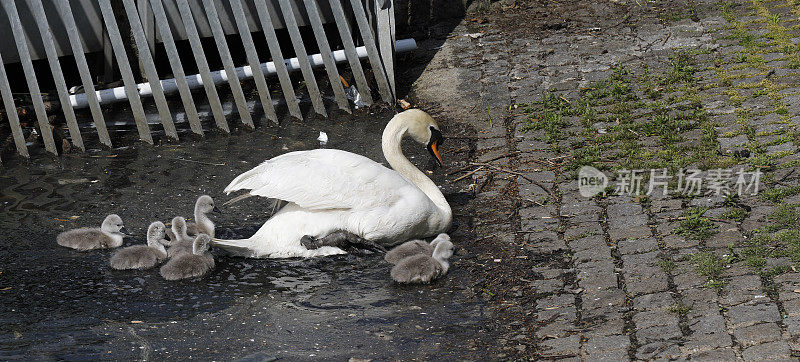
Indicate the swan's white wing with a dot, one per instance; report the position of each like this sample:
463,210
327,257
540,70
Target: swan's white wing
322,179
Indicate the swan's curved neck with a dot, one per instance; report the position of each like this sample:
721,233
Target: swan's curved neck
200,217
391,143
153,242
180,232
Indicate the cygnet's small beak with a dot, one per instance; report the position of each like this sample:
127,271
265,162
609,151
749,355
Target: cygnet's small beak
124,231
217,210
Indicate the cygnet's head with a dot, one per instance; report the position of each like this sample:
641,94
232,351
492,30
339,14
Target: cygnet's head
113,224
423,129
201,244
439,238
179,225
155,232
205,204
443,250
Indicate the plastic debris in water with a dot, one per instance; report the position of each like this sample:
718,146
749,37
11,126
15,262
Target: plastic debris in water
323,138
353,95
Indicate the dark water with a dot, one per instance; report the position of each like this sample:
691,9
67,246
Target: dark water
56,303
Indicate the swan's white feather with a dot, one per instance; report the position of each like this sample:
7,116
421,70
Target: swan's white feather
329,190
314,180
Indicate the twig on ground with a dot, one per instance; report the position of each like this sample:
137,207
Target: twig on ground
535,202
500,169
462,169
468,174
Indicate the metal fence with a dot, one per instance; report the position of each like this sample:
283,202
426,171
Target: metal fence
191,19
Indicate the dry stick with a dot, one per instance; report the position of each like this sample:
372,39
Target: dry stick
462,169
502,156
468,174
535,202
541,162
518,174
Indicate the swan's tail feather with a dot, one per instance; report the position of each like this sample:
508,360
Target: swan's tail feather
235,247
237,199
245,180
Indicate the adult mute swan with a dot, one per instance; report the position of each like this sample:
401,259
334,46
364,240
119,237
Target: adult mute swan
332,191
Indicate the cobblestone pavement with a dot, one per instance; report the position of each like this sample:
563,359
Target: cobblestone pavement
550,87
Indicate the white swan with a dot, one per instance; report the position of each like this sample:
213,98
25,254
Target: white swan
332,190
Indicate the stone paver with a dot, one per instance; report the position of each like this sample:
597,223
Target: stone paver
620,275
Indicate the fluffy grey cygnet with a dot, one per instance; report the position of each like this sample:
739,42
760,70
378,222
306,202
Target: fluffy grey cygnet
142,256
413,247
202,224
423,268
196,264
181,243
109,235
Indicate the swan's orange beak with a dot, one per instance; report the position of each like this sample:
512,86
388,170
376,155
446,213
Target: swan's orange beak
435,151
433,144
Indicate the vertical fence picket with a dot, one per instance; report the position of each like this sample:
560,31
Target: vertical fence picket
385,43
325,51
252,59
55,67
302,57
350,51
65,13
202,65
146,58
11,112
375,22
121,55
30,75
277,58
372,50
227,61
177,68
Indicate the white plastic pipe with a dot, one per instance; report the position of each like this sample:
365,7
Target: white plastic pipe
117,94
